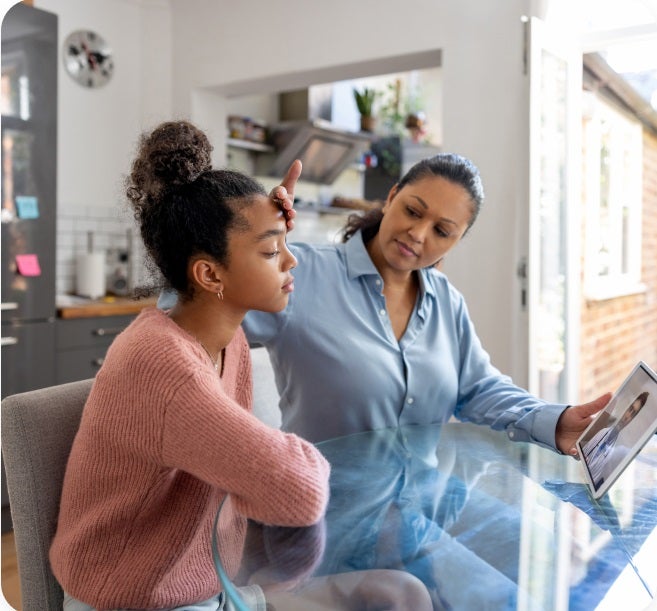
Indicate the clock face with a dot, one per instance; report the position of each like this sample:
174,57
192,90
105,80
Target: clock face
88,58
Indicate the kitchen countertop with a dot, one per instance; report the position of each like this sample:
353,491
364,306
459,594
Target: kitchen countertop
69,306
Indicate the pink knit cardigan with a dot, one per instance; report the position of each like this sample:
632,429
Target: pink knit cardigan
162,440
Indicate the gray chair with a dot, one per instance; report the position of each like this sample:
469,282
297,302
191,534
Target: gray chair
265,394
38,428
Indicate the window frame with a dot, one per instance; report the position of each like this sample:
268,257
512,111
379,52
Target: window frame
624,196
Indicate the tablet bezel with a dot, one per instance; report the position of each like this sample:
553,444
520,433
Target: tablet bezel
638,445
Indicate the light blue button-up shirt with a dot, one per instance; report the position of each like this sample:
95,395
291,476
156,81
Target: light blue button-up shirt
339,368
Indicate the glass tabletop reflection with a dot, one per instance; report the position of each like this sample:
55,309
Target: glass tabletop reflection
455,516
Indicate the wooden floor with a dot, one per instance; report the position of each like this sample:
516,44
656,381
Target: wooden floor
10,584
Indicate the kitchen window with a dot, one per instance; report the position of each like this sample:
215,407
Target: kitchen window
613,191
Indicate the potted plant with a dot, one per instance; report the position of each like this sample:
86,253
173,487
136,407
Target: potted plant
365,103
400,111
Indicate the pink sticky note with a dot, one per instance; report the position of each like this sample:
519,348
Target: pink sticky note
28,265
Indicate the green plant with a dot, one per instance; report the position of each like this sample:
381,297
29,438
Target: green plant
397,106
365,100
391,111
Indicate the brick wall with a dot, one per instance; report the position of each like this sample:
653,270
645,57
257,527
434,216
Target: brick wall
616,333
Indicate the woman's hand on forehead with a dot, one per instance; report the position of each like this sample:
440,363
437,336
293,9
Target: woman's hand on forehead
283,194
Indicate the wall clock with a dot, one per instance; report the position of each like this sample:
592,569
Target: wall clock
88,58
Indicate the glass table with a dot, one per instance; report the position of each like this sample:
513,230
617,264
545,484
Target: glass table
456,516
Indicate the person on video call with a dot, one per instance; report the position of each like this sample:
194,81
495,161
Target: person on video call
600,449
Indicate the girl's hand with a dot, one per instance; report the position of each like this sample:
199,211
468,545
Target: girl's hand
283,194
574,420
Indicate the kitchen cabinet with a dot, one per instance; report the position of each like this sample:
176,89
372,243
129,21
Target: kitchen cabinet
27,356
81,344
84,331
29,206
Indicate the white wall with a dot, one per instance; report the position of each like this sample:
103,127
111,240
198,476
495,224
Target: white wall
97,128
486,117
254,47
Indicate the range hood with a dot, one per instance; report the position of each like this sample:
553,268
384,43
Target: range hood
306,132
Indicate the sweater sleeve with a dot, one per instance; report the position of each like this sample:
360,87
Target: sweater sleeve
273,477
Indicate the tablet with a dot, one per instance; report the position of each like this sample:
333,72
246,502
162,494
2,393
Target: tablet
620,430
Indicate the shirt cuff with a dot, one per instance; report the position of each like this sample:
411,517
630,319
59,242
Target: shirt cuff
543,427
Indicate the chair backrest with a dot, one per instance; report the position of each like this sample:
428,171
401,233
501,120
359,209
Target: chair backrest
265,394
38,428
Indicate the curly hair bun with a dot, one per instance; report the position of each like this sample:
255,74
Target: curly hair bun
175,153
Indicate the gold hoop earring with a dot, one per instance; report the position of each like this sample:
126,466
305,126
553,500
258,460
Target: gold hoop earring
220,294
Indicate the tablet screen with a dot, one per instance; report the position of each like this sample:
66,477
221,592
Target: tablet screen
619,432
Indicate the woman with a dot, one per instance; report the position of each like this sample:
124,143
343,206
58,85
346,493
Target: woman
375,336
167,431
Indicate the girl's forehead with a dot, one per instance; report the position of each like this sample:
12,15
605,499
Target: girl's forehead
263,214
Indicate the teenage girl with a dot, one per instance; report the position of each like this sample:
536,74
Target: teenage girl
167,431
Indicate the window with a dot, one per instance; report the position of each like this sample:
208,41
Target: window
612,178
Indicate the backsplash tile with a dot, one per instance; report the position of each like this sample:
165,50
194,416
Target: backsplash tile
111,227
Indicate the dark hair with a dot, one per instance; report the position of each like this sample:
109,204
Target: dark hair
449,166
183,206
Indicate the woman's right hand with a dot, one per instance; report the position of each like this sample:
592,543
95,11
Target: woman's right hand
283,194
573,422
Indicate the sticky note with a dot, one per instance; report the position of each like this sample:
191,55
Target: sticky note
28,265
27,207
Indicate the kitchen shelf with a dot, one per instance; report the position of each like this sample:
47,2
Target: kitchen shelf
248,145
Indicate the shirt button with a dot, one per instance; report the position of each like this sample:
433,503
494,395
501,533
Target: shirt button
410,400
511,434
382,312
378,282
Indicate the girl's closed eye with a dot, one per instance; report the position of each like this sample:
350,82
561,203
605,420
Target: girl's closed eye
271,254
412,212
441,232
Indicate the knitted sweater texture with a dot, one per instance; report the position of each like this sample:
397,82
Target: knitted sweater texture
163,439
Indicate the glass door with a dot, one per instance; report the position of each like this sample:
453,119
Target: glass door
555,81
551,274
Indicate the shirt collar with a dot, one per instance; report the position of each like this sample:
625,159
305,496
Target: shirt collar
426,286
357,257
359,263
